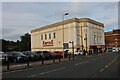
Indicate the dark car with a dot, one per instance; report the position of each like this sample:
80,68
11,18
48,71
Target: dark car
31,54
44,54
66,53
16,57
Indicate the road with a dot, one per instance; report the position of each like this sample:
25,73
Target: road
100,66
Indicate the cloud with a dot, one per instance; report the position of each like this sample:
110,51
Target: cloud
59,0
22,17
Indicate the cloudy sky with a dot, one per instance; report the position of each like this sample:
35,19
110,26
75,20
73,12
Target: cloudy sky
19,18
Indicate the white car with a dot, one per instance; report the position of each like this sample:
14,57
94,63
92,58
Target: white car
78,53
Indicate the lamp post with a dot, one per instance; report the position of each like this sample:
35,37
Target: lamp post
86,38
72,48
63,29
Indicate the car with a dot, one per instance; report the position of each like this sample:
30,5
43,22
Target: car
57,54
2,57
66,53
115,50
16,57
31,54
78,53
44,54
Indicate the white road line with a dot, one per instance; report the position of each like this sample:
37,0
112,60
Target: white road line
109,64
55,70
43,73
81,63
101,70
106,66
47,72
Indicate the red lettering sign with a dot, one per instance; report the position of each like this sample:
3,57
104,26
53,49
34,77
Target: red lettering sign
48,43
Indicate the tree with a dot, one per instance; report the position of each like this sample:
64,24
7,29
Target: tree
25,44
9,45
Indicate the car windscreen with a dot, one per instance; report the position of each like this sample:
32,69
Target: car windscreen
18,54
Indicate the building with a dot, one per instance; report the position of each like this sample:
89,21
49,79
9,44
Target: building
112,40
85,34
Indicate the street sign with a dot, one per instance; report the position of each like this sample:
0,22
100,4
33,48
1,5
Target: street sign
66,45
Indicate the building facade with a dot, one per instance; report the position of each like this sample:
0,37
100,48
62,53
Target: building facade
85,34
112,40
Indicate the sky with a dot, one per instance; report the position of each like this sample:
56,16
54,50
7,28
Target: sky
19,18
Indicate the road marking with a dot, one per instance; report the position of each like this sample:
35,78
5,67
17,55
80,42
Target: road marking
106,66
101,70
109,64
81,63
43,73
47,72
55,70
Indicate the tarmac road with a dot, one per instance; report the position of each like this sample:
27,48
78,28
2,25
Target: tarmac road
100,66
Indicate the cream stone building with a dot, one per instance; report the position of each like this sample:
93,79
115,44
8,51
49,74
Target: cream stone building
85,34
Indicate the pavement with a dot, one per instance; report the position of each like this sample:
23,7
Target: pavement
98,66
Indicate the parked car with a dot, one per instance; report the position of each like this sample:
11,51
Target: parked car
78,53
57,54
2,57
16,57
66,53
31,54
44,54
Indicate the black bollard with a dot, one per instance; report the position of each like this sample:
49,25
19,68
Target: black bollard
69,57
59,58
8,63
42,60
28,61
53,60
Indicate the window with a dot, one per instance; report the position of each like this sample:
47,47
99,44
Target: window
94,39
45,36
49,36
41,37
53,35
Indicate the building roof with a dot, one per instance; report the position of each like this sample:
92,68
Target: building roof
69,21
115,31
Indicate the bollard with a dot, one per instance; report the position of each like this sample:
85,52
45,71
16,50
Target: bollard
69,57
59,58
53,60
28,61
8,63
42,60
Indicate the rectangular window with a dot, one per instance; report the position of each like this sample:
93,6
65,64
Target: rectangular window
41,37
49,36
45,36
53,35
94,39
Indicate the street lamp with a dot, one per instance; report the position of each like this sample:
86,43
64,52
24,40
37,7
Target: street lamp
72,48
86,38
63,29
